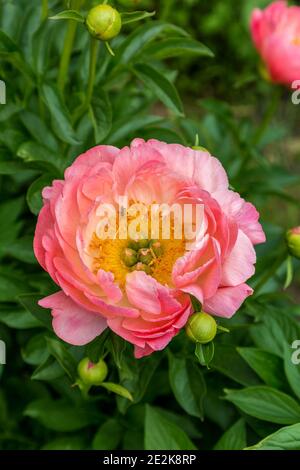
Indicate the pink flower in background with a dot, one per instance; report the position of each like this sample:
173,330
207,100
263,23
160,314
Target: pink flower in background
276,35
104,285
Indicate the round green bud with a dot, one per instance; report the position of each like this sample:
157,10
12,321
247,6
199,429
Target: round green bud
90,373
143,243
104,22
201,328
293,241
142,267
156,247
129,257
133,244
145,256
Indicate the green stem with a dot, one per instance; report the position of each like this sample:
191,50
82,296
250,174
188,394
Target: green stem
271,271
45,10
66,55
91,82
269,114
92,71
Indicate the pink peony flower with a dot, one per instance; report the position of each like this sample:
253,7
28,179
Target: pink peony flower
147,307
276,35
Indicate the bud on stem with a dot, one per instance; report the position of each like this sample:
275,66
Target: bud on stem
104,22
293,241
201,328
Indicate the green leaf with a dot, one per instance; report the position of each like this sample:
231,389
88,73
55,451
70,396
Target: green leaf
34,193
18,318
95,349
124,127
35,352
10,289
162,434
60,116
276,328
101,115
143,35
287,438
63,357
162,88
267,366
40,132
60,415
234,438
187,384
12,167
68,15
48,370
266,403
205,353
292,370
227,361
108,435
289,272
39,155
116,346
133,16
30,302
117,389
65,443
21,249
173,47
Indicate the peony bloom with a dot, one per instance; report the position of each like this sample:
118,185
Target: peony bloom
113,283
276,35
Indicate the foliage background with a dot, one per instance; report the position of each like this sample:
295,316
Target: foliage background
251,389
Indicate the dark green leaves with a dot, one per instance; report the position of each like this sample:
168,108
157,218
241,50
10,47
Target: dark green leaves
63,357
162,434
267,366
173,47
60,116
133,16
108,435
266,403
162,88
30,302
68,15
34,193
117,389
101,116
144,35
188,385
60,415
234,438
287,438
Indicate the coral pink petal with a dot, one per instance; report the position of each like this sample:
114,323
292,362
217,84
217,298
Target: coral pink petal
227,300
72,323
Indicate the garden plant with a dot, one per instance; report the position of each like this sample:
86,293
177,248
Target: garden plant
112,114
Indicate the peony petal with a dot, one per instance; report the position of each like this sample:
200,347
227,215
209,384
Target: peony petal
72,323
227,300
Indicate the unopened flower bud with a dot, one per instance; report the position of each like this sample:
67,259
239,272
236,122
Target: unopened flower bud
133,244
104,22
201,328
142,267
156,247
129,257
145,256
143,243
293,241
90,373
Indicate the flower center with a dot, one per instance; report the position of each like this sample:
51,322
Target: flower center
296,41
120,257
